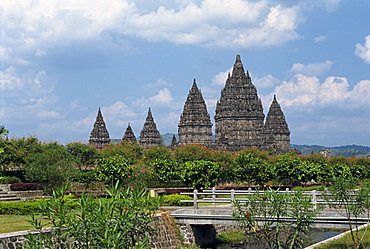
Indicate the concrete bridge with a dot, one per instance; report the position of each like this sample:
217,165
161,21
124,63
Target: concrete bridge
220,209
203,221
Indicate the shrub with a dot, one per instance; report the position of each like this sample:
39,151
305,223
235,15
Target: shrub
124,220
84,154
175,200
9,179
24,186
52,167
83,176
113,168
22,207
200,173
34,206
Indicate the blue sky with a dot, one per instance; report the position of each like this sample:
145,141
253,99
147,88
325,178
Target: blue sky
61,60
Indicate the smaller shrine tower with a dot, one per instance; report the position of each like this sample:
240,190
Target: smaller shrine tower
99,136
195,125
129,135
275,131
149,135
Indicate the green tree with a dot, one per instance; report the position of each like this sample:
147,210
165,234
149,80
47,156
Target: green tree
250,168
192,152
287,169
84,154
164,170
113,168
124,220
200,173
157,152
52,166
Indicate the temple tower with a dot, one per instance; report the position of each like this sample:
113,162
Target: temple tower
149,135
195,125
99,136
276,131
239,113
173,142
129,135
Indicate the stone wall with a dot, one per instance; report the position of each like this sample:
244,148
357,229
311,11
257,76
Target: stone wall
169,235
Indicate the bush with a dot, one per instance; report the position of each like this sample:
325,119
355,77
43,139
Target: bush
52,167
9,179
24,186
200,173
175,200
22,207
87,176
34,206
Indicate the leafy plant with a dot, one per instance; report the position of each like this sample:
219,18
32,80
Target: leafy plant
175,200
200,173
124,220
164,169
113,168
53,166
275,220
342,195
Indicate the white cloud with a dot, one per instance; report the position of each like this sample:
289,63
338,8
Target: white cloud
311,69
265,82
308,92
220,78
363,50
320,38
163,96
36,26
26,96
118,113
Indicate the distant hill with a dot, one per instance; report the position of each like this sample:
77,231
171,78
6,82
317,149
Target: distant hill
345,150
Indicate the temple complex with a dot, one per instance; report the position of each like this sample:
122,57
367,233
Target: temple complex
239,120
99,136
195,125
129,135
149,135
276,132
239,113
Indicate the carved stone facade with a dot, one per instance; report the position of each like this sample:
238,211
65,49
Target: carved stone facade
276,132
129,135
149,135
99,136
239,113
195,125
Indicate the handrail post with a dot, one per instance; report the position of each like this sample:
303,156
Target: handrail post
232,197
314,199
213,197
195,199
249,190
287,189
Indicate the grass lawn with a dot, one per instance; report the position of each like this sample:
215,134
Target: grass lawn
13,223
346,241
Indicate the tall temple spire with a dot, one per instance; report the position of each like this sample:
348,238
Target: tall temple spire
239,113
129,135
238,69
195,125
149,135
99,136
276,131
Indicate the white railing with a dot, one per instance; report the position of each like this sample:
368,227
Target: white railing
316,196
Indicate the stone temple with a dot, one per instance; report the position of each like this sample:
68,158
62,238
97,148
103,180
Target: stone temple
129,136
99,136
195,125
149,135
239,120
